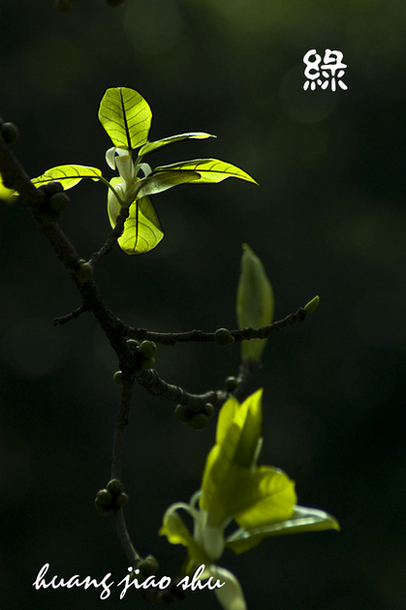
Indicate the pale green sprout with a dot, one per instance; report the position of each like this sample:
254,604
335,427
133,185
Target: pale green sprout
255,302
126,117
261,500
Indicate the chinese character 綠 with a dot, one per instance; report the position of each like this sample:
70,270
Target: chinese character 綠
332,69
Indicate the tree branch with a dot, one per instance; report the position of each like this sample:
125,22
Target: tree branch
238,335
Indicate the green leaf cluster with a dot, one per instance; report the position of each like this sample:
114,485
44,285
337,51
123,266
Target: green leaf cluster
126,117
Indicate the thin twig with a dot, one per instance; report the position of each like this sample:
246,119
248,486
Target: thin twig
239,335
70,316
111,238
150,379
122,532
121,423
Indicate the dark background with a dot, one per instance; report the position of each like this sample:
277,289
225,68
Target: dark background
328,218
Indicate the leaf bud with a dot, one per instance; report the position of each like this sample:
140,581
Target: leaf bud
103,510
198,421
118,378
148,363
104,497
84,272
10,133
148,566
208,409
223,337
51,188
182,413
312,305
121,499
59,202
255,302
148,349
231,383
115,487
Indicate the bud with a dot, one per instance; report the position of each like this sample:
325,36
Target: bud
231,383
255,302
198,421
312,305
115,487
148,349
84,272
103,502
208,409
59,202
121,499
182,413
118,378
223,337
10,133
148,566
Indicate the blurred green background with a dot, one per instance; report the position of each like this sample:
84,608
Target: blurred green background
327,218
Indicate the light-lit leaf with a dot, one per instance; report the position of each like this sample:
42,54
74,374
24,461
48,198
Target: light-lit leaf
126,117
162,181
255,302
231,484
303,519
210,170
151,146
142,230
6,194
269,497
67,175
177,533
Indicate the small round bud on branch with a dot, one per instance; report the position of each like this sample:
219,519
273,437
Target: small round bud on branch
103,502
148,363
198,421
148,349
208,409
182,413
84,272
121,499
10,133
223,337
115,486
51,188
118,378
148,566
231,383
59,201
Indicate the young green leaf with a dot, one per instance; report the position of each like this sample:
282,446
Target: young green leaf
142,229
210,170
303,520
151,146
162,181
255,302
126,117
67,175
